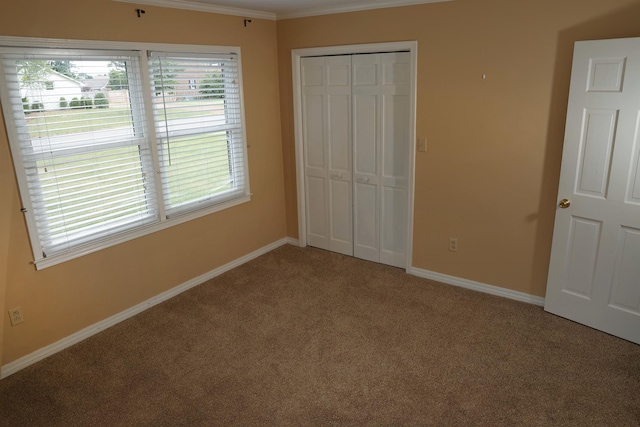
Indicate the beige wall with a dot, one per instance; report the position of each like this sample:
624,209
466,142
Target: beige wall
490,175
63,299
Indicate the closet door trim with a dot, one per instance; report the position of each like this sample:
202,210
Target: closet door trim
297,55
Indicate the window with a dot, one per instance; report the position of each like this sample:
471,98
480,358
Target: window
150,153
199,135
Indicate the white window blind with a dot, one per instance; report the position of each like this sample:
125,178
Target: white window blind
197,111
115,140
82,142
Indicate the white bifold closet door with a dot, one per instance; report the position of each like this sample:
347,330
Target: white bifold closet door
356,154
326,109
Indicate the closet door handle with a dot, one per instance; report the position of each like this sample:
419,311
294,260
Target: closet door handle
363,180
336,176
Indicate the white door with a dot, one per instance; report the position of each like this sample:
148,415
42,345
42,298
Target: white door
326,93
367,129
381,101
357,194
594,273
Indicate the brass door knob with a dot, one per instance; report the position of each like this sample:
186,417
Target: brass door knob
565,203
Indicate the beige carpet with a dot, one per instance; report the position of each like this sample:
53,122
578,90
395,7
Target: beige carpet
308,337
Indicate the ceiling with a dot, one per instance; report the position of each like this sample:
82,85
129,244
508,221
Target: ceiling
279,9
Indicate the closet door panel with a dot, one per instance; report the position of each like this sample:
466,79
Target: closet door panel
317,209
338,95
338,92
394,186
314,130
365,134
326,91
315,151
393,233
340,133
367,111
341,217
366,236
395,138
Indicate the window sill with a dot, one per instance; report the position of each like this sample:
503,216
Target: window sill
50,261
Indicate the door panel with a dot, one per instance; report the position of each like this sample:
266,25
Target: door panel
317,225
394,219
338,128
339,72
314,130
594,272
584,242
340,133
340,216
315,153
367,108
313,72
365,70
366,222
633,188
596,149
365,134
396,143
605,74
626,292
326,91
395,140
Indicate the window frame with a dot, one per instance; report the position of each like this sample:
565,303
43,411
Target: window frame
230,126
8,44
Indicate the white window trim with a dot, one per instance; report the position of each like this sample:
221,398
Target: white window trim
29,42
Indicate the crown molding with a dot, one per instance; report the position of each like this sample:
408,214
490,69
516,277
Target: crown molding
302,13
202,7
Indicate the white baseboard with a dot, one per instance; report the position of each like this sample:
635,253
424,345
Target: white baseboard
477,286
292,241
89,331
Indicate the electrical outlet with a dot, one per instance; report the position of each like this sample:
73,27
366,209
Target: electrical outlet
453,244
15,316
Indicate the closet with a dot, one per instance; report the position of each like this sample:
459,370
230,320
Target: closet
356,142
